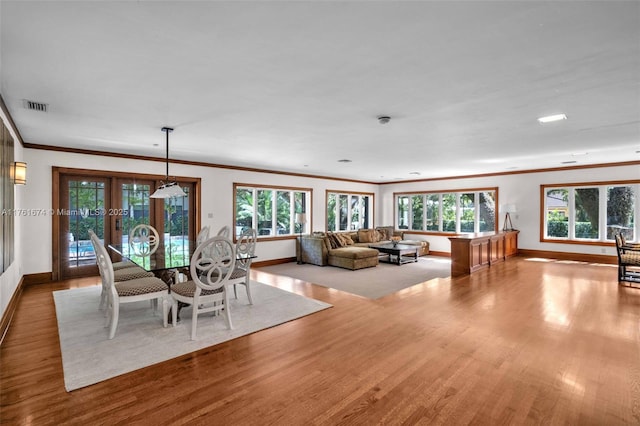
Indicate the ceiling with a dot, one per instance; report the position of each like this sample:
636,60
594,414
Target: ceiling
297,86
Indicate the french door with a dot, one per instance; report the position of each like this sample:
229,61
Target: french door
112,207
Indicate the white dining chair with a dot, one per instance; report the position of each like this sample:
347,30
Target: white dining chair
125,271
148,288
245,251
143,240
206,291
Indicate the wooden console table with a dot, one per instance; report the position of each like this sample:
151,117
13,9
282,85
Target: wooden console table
472,252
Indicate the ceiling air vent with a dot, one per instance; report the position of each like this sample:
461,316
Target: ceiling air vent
35,106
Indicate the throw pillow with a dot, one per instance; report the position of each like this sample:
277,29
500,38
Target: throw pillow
342,239
381,234
348,240
333,240
366,236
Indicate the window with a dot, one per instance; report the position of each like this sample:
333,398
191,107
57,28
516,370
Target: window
348,211
451,212
270,210
589,212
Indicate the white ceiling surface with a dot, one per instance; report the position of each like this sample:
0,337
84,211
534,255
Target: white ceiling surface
297,86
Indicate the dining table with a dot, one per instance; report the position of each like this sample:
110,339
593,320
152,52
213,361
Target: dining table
167,262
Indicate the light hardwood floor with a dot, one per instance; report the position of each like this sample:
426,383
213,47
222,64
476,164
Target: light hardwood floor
526,342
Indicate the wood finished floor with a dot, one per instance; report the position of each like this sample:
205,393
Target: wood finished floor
526,342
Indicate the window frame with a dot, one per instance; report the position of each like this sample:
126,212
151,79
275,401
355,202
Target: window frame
294,229
370,210
602,212
458,193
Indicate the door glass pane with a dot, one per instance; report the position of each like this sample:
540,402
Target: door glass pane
587,213
135,208
620,212
557,212
176,228
86,211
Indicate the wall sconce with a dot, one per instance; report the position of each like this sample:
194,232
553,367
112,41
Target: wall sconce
18,173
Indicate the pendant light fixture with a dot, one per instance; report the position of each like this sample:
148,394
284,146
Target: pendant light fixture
168,189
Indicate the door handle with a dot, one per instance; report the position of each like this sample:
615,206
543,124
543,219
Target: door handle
117,224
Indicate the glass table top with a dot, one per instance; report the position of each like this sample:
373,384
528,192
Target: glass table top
174,255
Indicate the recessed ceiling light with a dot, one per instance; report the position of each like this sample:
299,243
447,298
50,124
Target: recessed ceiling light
552,118
384,119
344,160
579,154
569,162
415,173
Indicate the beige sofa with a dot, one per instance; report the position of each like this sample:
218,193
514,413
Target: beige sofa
349,249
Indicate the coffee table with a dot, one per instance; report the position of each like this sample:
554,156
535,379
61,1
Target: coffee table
398,254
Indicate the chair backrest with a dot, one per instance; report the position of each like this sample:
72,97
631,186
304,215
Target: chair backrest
211,263
246,248
144,240
93,238
203,236
225,231
104,264
619,241
95,242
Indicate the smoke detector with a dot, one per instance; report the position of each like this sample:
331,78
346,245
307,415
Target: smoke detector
384,119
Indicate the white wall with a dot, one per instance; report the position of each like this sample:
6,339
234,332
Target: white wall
217,198
523,190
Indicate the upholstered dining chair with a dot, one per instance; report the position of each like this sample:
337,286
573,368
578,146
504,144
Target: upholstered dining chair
144,240
125,271
245,250
148,288
207,289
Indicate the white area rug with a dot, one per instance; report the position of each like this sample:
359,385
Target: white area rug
88,357
371,283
